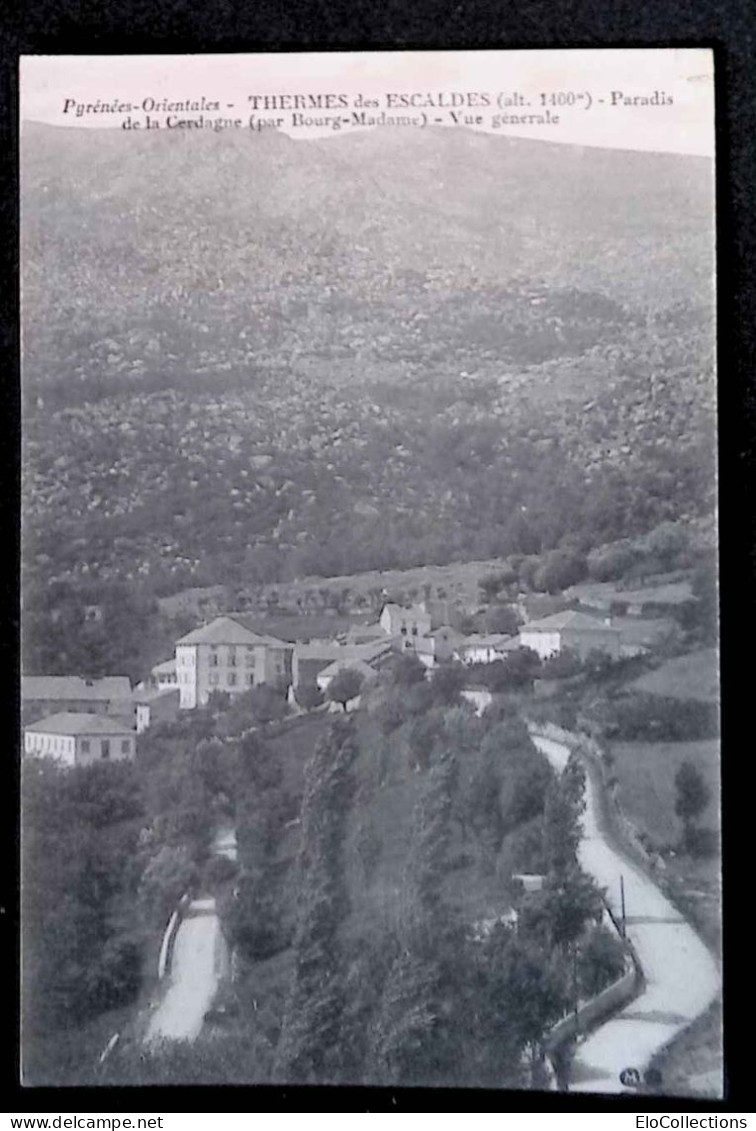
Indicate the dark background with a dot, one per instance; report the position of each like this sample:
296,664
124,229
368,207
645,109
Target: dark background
84,27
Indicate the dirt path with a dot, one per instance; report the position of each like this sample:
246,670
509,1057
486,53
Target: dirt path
197,966
681,975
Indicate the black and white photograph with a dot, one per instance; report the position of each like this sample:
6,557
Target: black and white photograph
369,693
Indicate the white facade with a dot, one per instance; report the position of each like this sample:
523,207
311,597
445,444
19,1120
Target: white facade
544,643
409,623
204,667
81,748
62,747
186,672
142,717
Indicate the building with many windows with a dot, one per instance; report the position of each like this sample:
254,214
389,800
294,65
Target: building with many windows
79,739
225,655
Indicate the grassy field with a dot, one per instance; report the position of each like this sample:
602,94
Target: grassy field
695,676
642,631
692,1065
646,772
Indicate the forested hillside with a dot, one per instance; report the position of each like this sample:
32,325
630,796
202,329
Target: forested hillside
370,911
248,359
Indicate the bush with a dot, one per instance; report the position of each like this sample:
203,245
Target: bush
219,870
651,718
601,962
309,696
562,665
610,563
561,569
701,843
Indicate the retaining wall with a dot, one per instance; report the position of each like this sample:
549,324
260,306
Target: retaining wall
165,958
628,985
609,1000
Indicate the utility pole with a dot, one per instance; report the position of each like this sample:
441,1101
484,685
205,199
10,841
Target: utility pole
622,903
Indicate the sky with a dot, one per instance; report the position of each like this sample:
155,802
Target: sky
682,78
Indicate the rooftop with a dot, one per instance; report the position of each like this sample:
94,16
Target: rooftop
151,694
483,640
227,630
331,651
74,687
416,611
348,665
578,622
78,723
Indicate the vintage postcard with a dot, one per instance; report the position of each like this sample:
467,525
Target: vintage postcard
369,637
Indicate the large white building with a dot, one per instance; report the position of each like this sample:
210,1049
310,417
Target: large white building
79,739
227,656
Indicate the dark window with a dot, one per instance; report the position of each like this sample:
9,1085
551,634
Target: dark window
105,748
231,678
125,745
85,745
414,630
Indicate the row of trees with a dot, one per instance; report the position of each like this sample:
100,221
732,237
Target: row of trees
667,546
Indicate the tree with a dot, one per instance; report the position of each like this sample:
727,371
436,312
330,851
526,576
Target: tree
609,563
401,1045
490,585
344,686
311,1021
526,991
666,541
692,795
447,683
169,874
309,696
601,961
564,806
561,569
502,618
407,670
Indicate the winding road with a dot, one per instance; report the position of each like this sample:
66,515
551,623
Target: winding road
200,960
199,957
681,975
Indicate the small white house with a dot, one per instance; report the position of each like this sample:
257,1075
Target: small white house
577,631
79,739
481,649
164,675
156,706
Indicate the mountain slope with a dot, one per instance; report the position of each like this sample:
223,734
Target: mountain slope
248,357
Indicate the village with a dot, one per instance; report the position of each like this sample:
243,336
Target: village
80,721
369,698
577,638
